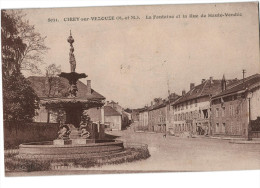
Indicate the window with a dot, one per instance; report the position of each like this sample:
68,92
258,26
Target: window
231,128
217,112
223,111
231,110
217,127
196,103
186,105
223,127
205,114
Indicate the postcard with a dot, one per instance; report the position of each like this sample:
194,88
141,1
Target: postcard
126,89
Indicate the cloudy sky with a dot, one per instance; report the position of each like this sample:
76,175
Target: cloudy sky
130,61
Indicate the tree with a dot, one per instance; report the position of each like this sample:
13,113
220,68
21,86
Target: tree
31,58
54,86
19,99
12,45
157,100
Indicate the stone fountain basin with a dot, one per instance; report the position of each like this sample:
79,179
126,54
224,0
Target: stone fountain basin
49,149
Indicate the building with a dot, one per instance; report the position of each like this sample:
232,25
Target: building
135,115
125,119
113,118
192,109
115,106
143,119
58,88
231,108
157,116
170,112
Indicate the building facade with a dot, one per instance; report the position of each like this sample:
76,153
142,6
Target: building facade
143,119
157,117
113,118
170,112
192,110
124,115
231,111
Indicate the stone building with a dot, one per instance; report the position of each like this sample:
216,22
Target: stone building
143,119
230,108
58,88
113,118
170,112
192,109
157,116
124,115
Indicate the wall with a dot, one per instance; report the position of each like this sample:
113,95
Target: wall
232,118
143,119
94,114
255,104
157,120
190,117
42,115
15,134
114,121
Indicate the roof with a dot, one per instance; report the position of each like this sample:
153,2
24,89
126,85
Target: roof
41,85
207,88
109,111
240,85
155,107
161,103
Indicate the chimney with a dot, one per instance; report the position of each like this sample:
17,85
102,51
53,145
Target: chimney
223,83
192,85
203,80
183,92
211,79
152,104
88,87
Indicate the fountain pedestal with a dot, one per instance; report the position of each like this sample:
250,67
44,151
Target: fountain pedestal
62,142
82,141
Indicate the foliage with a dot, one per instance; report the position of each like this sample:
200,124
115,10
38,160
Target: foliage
13,163
55,85
20,101
12,45
31,58
157,100
16,164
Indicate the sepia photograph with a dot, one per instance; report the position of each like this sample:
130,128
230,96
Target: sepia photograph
130,89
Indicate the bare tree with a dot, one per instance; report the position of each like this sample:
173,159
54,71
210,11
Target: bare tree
55,87
32,56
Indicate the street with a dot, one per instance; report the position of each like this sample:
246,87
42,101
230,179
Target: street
188,154
174,154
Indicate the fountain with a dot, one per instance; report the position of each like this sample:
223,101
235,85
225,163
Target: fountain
78,135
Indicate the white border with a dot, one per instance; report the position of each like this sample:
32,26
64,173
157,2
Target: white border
235,179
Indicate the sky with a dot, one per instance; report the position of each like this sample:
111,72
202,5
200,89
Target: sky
131,61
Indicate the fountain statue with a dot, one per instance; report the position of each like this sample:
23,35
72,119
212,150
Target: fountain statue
71,54
77,134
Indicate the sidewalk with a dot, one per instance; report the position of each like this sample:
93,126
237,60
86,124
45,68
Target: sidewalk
244,141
